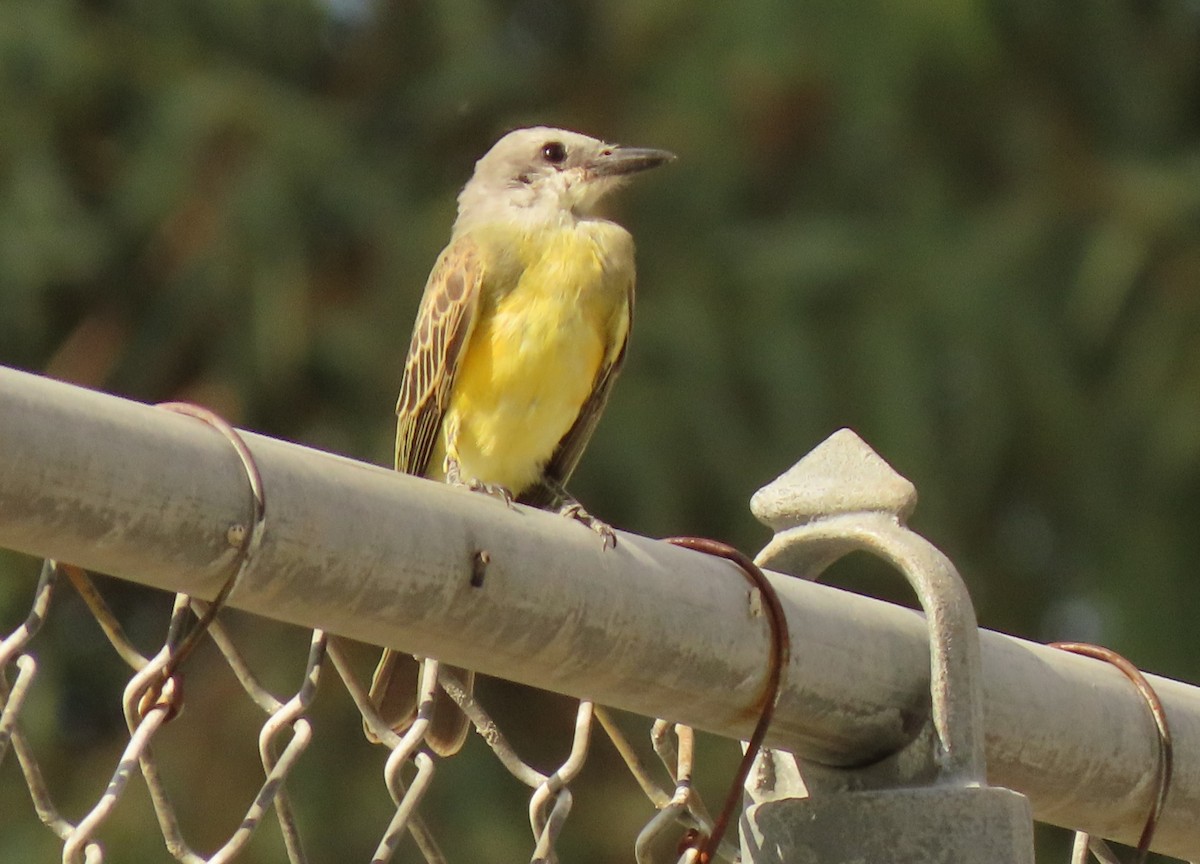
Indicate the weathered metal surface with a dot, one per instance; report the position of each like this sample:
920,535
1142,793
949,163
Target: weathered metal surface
917,826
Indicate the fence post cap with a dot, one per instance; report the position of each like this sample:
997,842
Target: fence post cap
842,474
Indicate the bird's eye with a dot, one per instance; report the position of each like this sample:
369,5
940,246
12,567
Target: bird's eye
554,152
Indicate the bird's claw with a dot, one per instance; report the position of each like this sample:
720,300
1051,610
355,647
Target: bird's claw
574,510
492,490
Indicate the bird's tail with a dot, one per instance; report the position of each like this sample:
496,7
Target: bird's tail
394,693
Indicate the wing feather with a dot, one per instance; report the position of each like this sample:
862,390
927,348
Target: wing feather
443,329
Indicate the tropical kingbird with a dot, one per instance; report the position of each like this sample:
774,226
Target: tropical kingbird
518,339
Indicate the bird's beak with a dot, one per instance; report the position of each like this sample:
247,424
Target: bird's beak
617,161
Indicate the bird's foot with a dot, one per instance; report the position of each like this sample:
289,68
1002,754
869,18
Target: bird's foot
574,510
492,490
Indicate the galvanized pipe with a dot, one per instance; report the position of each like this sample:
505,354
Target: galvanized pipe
150,496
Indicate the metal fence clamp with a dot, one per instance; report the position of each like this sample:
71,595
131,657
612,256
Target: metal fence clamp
928,802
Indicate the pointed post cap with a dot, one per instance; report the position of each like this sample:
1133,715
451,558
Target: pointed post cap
840,475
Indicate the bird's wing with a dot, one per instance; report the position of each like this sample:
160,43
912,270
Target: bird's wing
550,490
440,336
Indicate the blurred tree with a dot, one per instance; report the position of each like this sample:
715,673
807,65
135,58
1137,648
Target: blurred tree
969,229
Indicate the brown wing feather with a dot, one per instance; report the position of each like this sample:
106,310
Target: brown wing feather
443,329
550,489
444,324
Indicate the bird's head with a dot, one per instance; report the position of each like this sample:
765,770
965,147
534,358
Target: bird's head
549,174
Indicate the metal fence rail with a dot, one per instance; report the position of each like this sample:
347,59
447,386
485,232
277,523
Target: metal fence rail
360,551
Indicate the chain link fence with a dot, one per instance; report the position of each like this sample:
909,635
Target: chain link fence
154,694
665,631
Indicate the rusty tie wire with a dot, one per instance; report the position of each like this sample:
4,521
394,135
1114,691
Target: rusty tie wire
777,662
155,693
703,838
245,538
1098,847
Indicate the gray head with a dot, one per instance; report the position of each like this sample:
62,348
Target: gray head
547,174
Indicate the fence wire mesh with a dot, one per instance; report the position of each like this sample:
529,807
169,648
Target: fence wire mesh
155,693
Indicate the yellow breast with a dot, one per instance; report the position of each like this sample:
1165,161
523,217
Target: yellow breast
543,332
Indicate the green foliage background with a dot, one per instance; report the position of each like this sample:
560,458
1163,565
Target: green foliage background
969,229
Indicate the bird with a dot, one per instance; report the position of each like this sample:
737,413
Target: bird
518,339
